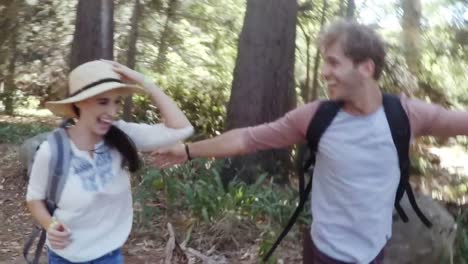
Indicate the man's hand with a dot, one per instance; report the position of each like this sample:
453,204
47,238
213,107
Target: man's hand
169,156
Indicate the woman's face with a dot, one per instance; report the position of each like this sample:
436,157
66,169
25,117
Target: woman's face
98,112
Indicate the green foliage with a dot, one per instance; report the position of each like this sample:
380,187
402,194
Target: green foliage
17,133
19,99
43,41
307,34
419,165
269,237
200,185
197,188
200,53
190,54
443,62
204,106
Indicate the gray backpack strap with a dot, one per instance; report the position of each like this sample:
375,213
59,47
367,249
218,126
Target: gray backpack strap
37,232
59,164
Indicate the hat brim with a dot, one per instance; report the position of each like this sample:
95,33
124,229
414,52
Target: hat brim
64,107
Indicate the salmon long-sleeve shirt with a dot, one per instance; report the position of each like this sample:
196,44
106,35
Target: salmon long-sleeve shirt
357,171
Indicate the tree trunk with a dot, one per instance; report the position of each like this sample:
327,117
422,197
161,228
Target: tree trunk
7,17
131,55
164,40
305,89
411,33
8,96
263,84
341,11
350,9
10,86
317,55
94,30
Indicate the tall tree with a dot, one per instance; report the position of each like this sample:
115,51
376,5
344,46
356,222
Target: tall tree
304,21
94,30
341,10
164,40
10,37
411,24
350,9
305,88
317,55
10,87
131,54
263,84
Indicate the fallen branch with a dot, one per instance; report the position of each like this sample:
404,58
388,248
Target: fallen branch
198,254
206,259
173,247
170,246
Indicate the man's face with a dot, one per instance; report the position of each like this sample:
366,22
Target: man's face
342,76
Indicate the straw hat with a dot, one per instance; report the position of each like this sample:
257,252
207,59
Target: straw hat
87,80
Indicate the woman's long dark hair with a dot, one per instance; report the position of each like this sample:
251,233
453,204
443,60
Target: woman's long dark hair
118,139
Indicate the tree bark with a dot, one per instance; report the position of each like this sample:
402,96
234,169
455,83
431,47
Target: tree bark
350,9
263,84
10,86
317,55
341,11
8,96
94,30
131,55
164,40
305,89
410,23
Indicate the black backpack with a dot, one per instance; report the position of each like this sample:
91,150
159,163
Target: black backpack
58,171
401,133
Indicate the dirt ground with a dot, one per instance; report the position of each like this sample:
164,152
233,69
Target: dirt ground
148,244
143,246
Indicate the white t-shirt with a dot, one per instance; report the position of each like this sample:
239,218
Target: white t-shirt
354,187
357,171
96,203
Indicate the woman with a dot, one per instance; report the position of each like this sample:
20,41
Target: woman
94,214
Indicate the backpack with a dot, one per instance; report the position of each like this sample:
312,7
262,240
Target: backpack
401,134
58,171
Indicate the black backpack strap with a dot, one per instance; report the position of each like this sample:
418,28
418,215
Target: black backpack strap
304,162
417,210
322,119
401,134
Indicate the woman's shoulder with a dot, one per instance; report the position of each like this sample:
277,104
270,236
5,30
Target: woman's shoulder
42,154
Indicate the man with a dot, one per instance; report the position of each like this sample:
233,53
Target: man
357,168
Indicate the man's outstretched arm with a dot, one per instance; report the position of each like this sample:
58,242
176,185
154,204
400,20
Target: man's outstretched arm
433,120
231,143
286,131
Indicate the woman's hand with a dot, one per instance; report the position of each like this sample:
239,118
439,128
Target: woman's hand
128,75
173,116
59,235
169,156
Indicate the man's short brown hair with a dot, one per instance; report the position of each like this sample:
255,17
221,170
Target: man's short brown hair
359,43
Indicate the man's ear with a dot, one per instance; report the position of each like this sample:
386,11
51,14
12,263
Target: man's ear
367,68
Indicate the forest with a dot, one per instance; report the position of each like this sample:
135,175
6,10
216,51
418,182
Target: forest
230,64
